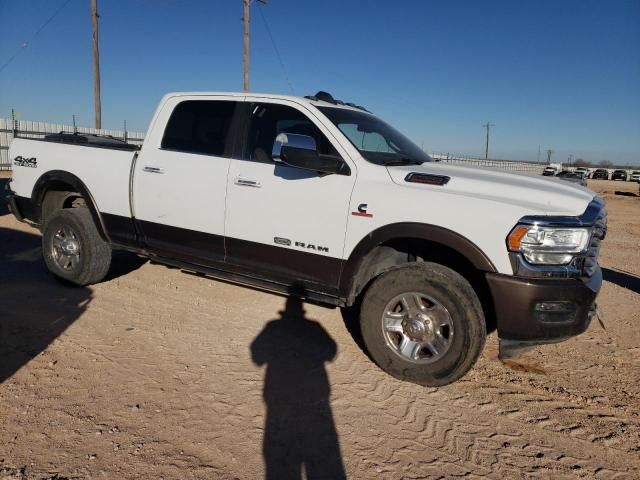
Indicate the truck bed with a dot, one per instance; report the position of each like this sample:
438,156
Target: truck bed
104,170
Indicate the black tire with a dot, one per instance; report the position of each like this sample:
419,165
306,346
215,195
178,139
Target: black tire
451,291
94,259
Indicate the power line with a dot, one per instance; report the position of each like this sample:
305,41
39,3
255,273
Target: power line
275,47
42,27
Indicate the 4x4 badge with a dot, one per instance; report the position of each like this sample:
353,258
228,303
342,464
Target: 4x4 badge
362,211
20,161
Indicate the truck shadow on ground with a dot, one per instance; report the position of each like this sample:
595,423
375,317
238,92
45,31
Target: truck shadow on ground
35,309
622,279
300,433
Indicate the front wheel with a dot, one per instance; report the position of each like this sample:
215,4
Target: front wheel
73,249
423,323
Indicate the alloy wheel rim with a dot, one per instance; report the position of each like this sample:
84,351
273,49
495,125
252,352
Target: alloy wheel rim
417,327
65,249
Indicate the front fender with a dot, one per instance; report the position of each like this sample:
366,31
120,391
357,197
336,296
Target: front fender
350,283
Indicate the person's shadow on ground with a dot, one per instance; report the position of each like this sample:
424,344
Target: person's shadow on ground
300,433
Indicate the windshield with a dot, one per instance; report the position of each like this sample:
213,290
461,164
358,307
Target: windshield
376,140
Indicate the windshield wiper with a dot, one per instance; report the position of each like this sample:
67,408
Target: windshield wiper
401,161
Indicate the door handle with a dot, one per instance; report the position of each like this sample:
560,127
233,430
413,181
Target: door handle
151,169
244,182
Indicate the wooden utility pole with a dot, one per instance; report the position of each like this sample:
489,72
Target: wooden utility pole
247,3
486,148
96,64
246,46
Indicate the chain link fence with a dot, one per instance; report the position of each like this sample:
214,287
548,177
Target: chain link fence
533,168
10,128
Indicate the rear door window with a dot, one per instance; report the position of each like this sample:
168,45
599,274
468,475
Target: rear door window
201,126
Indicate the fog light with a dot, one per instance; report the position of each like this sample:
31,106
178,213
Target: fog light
553,312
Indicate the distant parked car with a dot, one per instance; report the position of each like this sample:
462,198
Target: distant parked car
549,171
573,177
584,171
619,175
635,176
600,174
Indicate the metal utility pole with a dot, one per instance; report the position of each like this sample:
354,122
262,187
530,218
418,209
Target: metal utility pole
486,149
549,152
96,64
247,3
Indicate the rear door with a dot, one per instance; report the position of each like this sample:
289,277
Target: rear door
284,223
180,182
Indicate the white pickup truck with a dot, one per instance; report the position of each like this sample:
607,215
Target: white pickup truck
275,191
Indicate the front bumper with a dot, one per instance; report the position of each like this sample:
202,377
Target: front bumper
518,301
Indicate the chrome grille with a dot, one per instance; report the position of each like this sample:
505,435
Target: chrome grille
593,250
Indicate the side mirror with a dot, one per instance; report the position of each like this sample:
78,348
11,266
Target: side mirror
300,151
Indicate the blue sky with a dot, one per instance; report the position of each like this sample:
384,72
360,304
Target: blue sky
561,74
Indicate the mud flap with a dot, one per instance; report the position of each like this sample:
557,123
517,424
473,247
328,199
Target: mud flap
509,349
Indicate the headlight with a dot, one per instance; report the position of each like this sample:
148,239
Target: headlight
548,245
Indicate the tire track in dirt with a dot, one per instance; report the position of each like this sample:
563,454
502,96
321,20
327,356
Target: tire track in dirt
485,444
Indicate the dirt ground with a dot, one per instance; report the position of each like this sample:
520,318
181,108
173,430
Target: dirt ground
161,374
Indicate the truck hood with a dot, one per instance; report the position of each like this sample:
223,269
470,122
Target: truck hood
541,195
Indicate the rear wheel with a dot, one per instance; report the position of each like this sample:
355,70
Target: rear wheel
423,323
73,249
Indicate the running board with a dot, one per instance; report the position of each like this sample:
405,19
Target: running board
310,296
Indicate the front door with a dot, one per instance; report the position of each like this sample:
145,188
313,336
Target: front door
282,222
180,181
